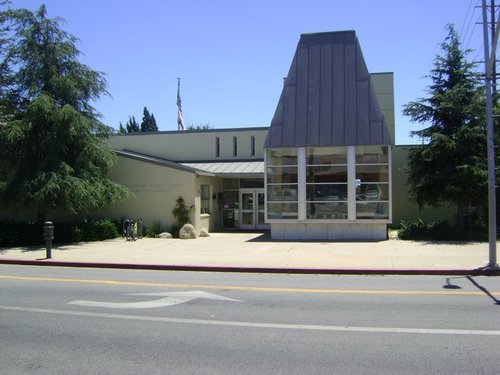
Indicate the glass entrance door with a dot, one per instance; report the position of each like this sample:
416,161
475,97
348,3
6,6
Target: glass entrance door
252,212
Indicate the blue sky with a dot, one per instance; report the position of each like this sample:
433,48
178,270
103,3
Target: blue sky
232,55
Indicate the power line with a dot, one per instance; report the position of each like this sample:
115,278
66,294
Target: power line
464,36
465,19
472,31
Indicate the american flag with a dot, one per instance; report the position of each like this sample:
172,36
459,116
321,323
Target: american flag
180,117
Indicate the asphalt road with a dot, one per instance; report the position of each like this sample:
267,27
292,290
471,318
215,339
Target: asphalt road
95,321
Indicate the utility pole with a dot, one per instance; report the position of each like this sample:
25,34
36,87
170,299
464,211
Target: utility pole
489,62
494,66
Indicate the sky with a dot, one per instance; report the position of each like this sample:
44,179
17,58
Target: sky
232,55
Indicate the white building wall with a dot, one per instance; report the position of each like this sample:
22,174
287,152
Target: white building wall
326,231
194,145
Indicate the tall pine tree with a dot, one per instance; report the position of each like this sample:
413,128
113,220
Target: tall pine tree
148,122
452,167
132,126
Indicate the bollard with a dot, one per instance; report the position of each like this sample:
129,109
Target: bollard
48,235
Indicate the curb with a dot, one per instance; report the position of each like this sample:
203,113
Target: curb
312,271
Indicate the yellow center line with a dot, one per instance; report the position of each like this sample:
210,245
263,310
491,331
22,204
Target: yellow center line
251,288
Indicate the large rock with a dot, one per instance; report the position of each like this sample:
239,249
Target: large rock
204,233
187,232
164,235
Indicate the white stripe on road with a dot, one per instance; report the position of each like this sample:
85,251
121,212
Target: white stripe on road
256,325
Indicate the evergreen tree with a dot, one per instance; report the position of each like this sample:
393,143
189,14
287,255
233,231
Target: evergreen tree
153,122
200,126
148,122
132,126
52,153
452,166
121,129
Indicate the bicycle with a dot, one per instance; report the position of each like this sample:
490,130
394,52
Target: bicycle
132,229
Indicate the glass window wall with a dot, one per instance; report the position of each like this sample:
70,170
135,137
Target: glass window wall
326,183
328,192
372,182
282,156
282,184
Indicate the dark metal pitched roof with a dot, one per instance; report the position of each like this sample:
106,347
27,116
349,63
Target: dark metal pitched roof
328,97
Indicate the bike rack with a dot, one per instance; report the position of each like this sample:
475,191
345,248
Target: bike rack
132,229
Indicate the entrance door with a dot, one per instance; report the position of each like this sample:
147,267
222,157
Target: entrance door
252,212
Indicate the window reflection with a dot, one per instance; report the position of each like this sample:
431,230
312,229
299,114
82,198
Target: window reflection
282,156
331,192
327,210
280,175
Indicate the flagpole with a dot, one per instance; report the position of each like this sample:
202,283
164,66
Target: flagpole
180,116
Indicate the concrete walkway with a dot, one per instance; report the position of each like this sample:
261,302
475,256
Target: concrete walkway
255,252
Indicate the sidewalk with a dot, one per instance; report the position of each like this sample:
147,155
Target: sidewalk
255,252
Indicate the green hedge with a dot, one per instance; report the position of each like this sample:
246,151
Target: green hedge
22,234
439,231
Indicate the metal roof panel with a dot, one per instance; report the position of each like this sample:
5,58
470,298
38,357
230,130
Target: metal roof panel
229,168
328,97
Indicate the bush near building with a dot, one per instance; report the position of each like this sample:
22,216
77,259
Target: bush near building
25,234
439,231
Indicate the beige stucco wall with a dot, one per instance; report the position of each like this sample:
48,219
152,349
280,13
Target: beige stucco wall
194,145
211,220
384,88
402,208
156,189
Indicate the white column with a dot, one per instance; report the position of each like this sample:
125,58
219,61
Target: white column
351,182
265,185
301,179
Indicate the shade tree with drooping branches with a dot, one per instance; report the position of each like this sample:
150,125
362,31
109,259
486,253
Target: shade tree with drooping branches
52,154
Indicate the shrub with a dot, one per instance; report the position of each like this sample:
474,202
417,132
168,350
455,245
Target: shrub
24,233
419,230
181,212
16,234
99,230
437,231
154,229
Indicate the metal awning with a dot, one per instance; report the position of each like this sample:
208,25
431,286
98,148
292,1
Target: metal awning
242,169
230,169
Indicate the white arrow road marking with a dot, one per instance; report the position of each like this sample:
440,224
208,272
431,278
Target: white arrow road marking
170,299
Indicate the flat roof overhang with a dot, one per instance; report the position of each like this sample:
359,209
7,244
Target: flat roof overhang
231,169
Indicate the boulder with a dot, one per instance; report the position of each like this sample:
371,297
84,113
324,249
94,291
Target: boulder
204,233
187,232
164,235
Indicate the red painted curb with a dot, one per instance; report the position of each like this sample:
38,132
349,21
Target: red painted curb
324,271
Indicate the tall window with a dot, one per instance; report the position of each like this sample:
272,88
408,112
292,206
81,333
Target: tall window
205,199
235,146
217,147
252,145
372,182
230,203
282,184
326,183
